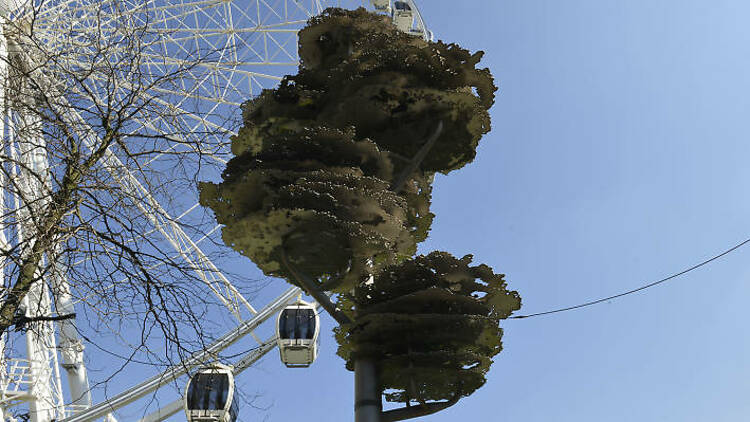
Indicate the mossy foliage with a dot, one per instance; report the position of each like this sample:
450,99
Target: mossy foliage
433,324
364,101
313,178
357,70
318,196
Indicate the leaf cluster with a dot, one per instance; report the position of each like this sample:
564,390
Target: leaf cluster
432,323
313,178
315,157
357,70
316,195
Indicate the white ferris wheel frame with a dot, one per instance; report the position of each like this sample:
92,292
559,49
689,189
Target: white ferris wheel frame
37,379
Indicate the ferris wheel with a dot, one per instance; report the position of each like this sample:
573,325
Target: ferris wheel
173,74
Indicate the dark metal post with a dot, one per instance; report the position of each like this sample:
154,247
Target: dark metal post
367,402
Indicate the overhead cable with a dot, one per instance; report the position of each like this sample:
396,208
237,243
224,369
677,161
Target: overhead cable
655,283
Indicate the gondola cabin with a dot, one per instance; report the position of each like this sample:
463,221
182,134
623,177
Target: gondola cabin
297,329
209,395
403,16
382,5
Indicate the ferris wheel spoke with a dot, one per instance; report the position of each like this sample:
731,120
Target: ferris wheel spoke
281,27
174,372
194,63
217,94
136,239
197,260
277,44
211,126
186,35
175,108
124,280
224,15
283,46
97,8
266,12
219,67
191,95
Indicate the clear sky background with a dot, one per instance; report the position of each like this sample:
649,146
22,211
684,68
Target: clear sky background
618,155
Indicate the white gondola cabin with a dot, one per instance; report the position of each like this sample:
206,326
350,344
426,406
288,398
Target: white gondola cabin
209,395
297,328
382,5
403,16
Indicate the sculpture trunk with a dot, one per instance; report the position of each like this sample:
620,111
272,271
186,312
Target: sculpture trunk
367,402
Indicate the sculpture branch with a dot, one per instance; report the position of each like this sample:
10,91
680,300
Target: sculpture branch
417,411
398,184
312,289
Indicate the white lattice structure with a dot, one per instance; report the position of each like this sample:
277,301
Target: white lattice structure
220,52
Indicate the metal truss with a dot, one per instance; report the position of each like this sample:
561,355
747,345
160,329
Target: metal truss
229,51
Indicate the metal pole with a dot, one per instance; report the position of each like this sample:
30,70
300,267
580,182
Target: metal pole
71,347
4,245
367,402
40,336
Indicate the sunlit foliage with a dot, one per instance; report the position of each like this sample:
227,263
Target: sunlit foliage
320,196
433,324
315,178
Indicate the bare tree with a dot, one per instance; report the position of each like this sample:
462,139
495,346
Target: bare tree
103,133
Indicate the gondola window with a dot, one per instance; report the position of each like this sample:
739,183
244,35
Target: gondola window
297,324
208,392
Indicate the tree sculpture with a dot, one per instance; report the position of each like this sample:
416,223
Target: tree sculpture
332,182
432,324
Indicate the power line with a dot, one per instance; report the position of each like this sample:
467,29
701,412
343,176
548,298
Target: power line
675,275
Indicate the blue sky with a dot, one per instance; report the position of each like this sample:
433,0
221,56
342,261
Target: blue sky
618,156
